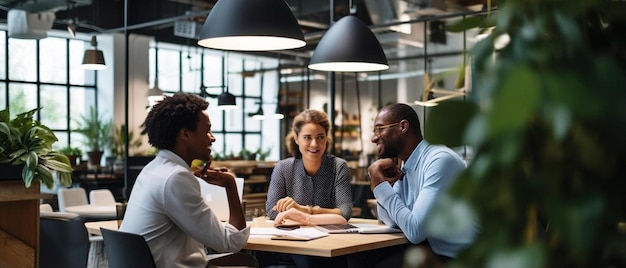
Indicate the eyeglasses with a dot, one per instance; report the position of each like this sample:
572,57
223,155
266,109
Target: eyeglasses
378,129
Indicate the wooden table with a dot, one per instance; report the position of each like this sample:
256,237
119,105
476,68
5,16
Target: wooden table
93,227
329,246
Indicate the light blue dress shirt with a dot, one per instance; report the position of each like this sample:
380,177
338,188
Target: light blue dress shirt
428,172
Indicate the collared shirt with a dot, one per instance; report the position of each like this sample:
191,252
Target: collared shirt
167,209
428,172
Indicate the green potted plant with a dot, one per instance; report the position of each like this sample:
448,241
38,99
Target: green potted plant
262,155
27,144
118,142
97,133
72,153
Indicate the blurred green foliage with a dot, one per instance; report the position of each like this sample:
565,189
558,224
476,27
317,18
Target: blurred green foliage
549,136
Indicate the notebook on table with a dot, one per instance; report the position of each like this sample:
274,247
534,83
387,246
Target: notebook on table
357,228
215,197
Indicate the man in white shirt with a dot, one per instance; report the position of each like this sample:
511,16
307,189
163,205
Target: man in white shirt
166,206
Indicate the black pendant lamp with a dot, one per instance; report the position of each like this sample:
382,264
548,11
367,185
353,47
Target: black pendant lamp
93,58
226,101
278,114
257,25
349,46
259,114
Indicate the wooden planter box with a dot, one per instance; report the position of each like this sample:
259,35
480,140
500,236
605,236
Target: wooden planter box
19,223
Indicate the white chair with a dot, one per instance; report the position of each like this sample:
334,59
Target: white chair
71,197
101,197
45,208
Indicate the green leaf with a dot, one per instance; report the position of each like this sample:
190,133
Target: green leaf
45,176
528,256
28,174
483,49
446,123
57,165
515,102
32,160
18,155
568,28
65,178
5,130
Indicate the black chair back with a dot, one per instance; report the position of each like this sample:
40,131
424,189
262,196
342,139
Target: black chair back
126,250
63,243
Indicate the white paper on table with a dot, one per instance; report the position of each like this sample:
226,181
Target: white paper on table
268,232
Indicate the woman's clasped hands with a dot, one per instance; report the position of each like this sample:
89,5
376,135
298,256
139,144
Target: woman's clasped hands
286,203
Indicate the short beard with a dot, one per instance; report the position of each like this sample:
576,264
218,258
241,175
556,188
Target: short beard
389,151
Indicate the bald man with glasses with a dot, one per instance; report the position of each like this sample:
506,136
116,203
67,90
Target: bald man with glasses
406,181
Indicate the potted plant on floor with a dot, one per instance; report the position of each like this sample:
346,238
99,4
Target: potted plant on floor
97,133
26,145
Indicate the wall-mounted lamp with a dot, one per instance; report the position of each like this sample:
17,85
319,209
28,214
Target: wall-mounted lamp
258,25
349,46
93,58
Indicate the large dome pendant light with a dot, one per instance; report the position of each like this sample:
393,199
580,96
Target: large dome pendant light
258,25
349,46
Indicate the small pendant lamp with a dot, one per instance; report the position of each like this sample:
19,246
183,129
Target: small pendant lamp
93,58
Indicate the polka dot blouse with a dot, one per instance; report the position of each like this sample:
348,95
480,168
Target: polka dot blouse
328,188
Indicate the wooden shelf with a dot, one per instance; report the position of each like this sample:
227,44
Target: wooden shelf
25,197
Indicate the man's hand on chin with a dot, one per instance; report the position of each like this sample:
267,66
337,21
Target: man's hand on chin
382,170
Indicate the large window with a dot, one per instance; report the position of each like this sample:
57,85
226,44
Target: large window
190,69
46,74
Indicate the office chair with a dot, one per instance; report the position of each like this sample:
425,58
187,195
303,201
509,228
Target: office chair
64,241
126,250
